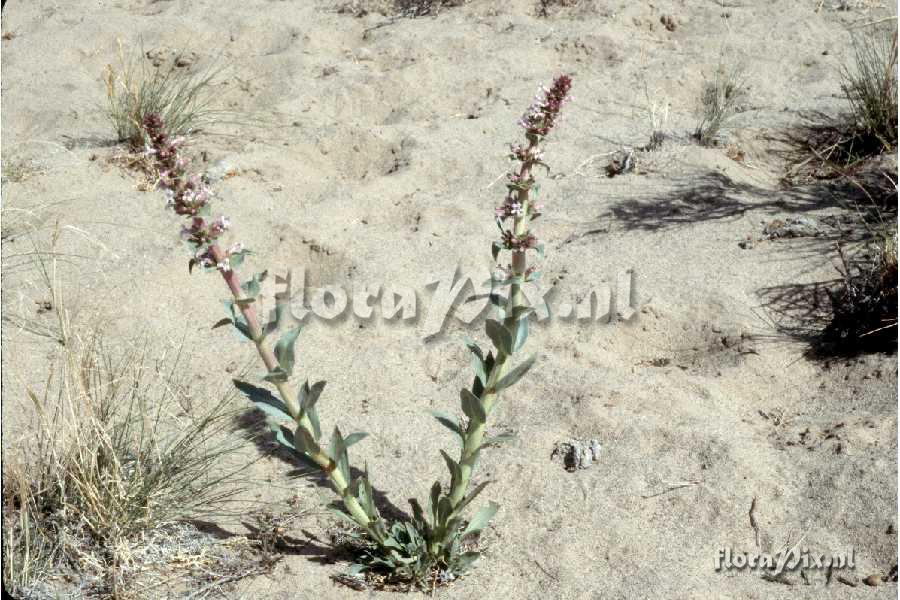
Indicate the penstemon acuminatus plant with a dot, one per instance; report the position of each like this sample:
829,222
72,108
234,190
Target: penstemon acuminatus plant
431,544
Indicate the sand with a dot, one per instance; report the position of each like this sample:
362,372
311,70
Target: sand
370,157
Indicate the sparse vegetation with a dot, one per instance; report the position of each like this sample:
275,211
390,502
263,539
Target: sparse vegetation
864,307
719,100
434,546
409,9
117,454
544,7
870,86
185,96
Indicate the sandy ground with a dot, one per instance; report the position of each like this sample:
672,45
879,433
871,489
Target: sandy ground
381,140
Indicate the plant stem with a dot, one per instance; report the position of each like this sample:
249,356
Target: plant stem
288,396
475,431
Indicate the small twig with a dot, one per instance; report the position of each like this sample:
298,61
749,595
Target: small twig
499,177
589,160
546,572
205,590
674,486
875,22
390,21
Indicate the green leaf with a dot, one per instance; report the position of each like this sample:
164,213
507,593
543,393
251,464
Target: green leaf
313,415
308,396
520,312
472,406
251,287
419,514
354,438
221,322
455,469
449,422
500,304
356,569
516,374
472,495
499,335
521,334
433,501
338,451
481,519
496,247
445,509
367,496
284,350
477,360
540,250
237,258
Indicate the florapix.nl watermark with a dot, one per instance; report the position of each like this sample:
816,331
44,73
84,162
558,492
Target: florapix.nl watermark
784,560
459,296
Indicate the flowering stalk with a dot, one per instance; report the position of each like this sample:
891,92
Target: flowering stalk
409,550
189,196
509,333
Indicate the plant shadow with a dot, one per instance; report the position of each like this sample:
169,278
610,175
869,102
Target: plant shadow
714,196
255,428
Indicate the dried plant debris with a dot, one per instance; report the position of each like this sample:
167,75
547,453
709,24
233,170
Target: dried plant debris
792,227
864,307
165,562
621,162
576,453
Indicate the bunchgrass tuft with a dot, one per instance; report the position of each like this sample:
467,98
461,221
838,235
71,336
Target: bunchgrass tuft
184,95
870,86
116,453
720,98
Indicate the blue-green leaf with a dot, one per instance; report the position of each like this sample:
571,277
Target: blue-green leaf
472,406
499,335
472,495
481,519
516,374
477,360
449,422
455,469
354,438
521,334
284,350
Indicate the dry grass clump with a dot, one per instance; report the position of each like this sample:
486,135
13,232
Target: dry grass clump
409,9
870,86
546,7
116,453
864,308
720,99
185,96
